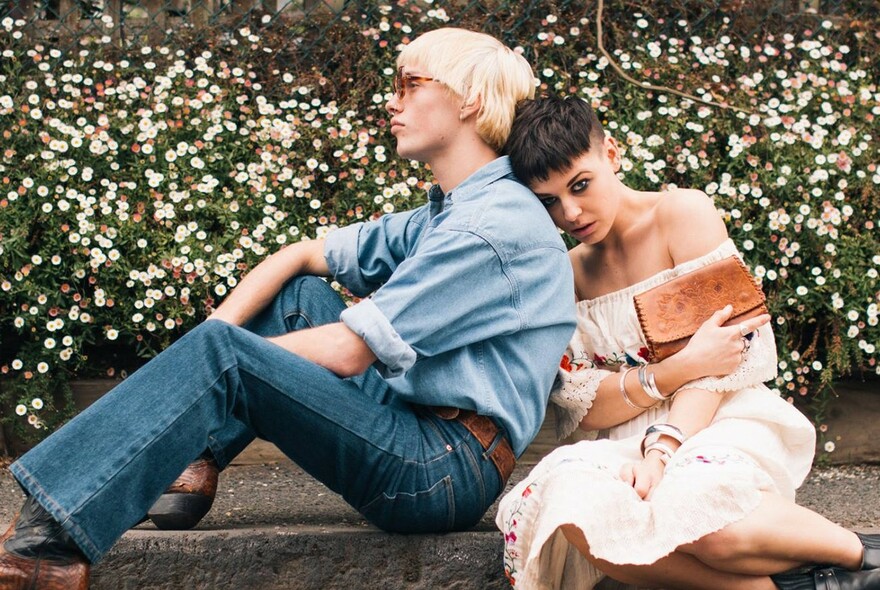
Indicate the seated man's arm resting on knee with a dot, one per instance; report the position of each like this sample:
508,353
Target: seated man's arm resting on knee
333,346
261,284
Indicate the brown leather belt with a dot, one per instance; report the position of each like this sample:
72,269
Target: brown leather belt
485,431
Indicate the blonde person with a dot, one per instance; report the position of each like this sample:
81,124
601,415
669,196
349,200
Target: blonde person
412,404
693,484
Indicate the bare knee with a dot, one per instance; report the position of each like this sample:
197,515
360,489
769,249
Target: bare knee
572,533
728,544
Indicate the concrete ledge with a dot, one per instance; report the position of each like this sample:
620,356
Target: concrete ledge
851,423
293,558
275,527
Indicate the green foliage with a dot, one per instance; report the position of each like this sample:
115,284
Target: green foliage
137,189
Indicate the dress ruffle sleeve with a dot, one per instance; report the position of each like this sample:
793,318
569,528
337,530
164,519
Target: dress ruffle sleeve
573,394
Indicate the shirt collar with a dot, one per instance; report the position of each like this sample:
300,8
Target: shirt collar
473,184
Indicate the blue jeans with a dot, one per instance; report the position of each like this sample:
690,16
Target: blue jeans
221,385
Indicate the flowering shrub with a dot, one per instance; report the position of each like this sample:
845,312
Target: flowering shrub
136,190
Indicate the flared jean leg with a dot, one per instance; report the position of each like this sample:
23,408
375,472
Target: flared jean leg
404,470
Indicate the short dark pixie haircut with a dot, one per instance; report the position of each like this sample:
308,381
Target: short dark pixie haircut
549,134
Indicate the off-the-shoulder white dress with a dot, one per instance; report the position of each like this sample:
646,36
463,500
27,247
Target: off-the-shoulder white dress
756,442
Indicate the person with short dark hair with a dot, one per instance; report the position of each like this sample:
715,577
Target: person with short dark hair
413,404
693,484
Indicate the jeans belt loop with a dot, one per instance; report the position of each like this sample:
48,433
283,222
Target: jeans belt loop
485,431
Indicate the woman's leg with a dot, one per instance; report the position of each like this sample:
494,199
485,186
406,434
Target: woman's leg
777,536
676,570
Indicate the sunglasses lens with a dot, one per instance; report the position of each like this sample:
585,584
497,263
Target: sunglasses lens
398,85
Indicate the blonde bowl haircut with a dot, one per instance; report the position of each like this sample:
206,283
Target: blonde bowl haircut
475,65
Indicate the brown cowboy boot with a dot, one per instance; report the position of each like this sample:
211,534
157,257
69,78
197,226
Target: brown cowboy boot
188,499
37,554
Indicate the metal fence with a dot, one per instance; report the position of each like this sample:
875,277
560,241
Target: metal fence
133,23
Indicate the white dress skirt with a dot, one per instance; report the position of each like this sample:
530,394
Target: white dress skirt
757,442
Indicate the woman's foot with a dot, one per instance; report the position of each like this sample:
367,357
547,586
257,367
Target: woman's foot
871,555
828,578
867,577
835,578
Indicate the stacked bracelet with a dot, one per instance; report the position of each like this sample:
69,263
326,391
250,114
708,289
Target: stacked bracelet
623,393
649,386
666,451
655,431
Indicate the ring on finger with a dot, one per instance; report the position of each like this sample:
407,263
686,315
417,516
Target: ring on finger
743,330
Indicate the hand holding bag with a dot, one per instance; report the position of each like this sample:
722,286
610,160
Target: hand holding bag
672,312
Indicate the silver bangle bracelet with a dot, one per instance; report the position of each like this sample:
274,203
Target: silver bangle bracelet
666,451
623,393
669,430
649,386
654,390
655,431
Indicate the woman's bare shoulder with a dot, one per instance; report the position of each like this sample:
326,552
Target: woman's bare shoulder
691,223
680,201
580,266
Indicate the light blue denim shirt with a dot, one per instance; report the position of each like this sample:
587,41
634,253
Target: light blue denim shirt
472,299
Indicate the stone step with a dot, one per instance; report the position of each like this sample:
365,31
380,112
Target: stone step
274,527
301,557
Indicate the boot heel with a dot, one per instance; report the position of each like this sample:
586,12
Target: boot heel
177,512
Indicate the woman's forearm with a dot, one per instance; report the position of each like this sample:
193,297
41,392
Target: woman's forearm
693,409
610,408
715,349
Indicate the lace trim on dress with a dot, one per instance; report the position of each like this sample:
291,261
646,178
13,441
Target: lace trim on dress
759,365
573,396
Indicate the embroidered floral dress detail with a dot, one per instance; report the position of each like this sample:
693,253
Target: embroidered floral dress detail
511,554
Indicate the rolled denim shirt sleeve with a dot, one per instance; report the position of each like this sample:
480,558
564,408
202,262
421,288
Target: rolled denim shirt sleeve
363,256
393,354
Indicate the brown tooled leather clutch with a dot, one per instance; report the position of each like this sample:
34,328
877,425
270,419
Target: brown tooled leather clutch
670,313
